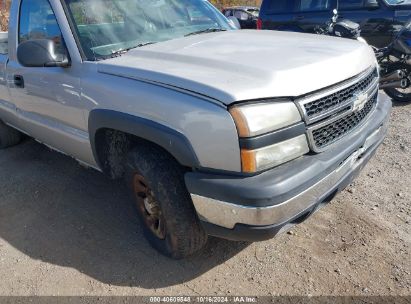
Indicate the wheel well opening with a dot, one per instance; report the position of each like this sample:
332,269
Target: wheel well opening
112,147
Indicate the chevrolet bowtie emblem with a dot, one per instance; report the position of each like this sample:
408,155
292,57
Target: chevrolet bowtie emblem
360,100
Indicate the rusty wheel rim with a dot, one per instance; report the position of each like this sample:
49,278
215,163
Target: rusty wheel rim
149,207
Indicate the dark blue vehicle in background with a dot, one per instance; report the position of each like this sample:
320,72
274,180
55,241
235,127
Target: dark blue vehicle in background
380,20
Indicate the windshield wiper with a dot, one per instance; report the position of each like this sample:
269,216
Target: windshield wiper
208,30
123,51
142,44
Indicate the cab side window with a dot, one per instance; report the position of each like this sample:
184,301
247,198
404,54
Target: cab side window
315,5
37,21
240,15
281,6
350,4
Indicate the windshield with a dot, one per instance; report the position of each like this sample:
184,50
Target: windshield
398,2
110,27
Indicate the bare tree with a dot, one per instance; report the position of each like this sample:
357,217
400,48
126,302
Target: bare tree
4,14
220,4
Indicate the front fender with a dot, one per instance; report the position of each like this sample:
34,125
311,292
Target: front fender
171,140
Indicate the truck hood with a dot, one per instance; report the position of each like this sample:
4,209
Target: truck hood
242,65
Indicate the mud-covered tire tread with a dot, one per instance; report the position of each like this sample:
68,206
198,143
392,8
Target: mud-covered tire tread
184,234
8,136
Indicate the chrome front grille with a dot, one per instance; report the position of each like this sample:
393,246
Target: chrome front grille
335,112
332,132
319,106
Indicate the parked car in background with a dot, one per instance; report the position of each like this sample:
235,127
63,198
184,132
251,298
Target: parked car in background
3,42
247,16
379,19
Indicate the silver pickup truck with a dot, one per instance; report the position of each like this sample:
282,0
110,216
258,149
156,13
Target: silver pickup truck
236,134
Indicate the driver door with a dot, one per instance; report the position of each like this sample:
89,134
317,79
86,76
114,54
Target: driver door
376,23
47,99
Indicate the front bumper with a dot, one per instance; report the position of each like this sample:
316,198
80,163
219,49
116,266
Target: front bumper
258,207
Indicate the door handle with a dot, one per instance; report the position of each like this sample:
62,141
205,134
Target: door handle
18,81
301,17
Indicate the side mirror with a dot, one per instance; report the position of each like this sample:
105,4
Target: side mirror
234,22
371,4
40,53
335,15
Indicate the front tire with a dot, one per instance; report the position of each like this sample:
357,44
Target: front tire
399,95
169,220
8,136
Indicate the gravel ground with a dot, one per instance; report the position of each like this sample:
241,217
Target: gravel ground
67,230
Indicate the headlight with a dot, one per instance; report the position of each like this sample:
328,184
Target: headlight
260,118
254,121
274,155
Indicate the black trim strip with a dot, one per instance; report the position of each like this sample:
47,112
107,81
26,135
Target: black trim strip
170,140
269,139
73,28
